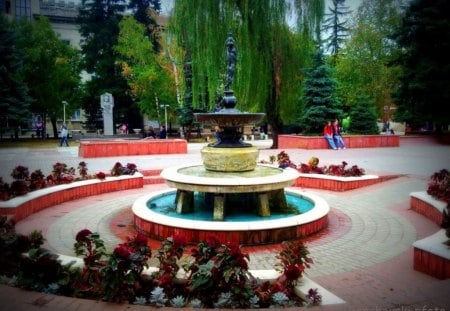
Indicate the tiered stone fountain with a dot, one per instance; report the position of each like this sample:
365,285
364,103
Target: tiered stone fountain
228,176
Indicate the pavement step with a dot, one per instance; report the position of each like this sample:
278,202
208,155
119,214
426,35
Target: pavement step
151,180
154,172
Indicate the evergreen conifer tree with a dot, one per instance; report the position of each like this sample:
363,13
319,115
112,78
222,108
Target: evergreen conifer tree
363,118
321,105
14,99
335,24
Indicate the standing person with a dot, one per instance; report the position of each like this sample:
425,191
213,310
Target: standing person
64,134
328,135
163,132
337,135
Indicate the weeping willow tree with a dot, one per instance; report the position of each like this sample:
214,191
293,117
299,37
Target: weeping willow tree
271,52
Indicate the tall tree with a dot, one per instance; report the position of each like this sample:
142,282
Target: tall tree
336,26
363,66
145,71
144,11
319,94
14,99
267,49
51,69
363,117
99,28
424,36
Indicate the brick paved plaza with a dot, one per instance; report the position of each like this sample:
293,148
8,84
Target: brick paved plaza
365,256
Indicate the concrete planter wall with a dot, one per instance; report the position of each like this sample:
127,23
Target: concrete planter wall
431,255
35,201
337,183
110,148
351,141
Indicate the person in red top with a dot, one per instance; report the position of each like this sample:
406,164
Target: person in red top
328,135
337,135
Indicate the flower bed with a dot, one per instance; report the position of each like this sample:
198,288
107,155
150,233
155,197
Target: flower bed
351,141
332,177
110,148
23,206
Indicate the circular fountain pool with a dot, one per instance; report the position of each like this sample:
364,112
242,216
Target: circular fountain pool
246,232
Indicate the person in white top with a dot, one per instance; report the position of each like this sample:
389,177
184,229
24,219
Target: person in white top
64,134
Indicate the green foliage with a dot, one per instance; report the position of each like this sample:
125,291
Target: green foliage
51,70
217,273
99,29
423,94
143,70
14,102
439,185
363,66
122,276
363,118
141,11
270,54
319,95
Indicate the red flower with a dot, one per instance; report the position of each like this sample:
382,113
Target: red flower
165,281
100,175
82,236
293,272
123,252
140,240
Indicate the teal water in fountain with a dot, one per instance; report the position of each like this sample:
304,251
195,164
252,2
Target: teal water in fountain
239,208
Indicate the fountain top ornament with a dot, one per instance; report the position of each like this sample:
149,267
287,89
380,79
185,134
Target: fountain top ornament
229,121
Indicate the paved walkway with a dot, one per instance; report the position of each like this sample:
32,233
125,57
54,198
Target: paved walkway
364,257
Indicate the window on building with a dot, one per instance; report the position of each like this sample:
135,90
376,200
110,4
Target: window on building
23,9
76,115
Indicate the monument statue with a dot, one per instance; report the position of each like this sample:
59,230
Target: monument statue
231,60
107,104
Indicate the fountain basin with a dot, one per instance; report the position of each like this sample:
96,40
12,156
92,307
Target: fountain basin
265,182
230,159
197,178
159,226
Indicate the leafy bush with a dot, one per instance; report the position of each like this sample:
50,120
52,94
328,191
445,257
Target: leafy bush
216,274
25,182
312,167
118,169
439,185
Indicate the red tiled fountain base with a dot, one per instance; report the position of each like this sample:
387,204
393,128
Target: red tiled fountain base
351,141
110,148
248,237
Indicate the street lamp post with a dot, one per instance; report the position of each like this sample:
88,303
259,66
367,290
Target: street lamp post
64,111
165,117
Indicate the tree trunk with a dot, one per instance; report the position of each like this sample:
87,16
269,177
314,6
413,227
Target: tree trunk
54,127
